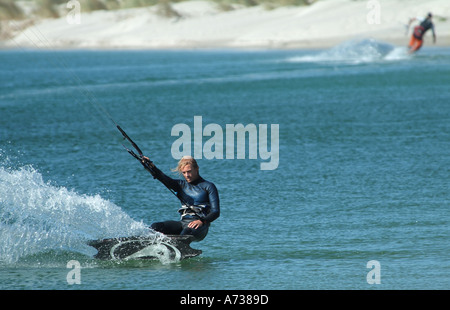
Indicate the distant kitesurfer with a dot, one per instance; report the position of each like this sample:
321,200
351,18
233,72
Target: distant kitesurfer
201,197
419,31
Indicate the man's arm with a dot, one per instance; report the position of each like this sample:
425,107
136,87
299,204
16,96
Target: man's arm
160,176
214,201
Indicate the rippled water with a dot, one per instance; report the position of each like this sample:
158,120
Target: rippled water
363,169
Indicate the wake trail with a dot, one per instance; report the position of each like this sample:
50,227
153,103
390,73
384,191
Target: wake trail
36,217
356,52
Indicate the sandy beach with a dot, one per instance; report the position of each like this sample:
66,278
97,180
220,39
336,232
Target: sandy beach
202,24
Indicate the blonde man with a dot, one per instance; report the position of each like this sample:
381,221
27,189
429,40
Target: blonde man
200,201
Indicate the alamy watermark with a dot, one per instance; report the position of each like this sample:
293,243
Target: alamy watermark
374,275
222,145
74,15
374,14
74,275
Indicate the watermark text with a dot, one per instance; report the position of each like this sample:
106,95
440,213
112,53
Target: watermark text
74,15
374,14
74,275
374,275
229,145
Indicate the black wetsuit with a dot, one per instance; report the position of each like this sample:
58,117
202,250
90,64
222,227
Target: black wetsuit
202,203
424,26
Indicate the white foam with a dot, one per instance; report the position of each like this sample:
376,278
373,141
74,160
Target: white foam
356,52
36,217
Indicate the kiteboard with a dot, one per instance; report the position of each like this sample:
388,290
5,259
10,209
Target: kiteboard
172,248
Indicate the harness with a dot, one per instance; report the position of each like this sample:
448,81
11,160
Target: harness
420,30
197,210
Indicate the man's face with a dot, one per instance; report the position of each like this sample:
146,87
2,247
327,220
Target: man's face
190,174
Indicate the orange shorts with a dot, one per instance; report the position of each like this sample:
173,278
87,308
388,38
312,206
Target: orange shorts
415,44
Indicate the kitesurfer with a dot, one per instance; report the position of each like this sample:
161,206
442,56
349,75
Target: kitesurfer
200,200
419,31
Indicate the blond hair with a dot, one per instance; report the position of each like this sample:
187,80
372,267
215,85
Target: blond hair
184,161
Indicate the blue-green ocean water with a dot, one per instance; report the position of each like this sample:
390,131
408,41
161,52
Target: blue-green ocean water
363,173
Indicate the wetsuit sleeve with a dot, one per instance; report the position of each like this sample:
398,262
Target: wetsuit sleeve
213,196
168,181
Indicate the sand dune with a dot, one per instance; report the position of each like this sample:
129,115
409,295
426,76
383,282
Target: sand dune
201,24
